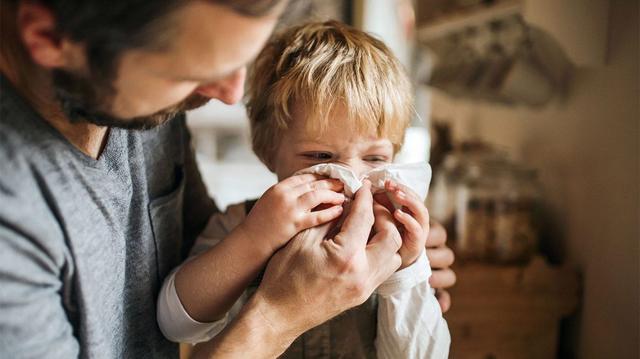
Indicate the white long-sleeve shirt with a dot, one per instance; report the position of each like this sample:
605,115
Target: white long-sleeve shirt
409,320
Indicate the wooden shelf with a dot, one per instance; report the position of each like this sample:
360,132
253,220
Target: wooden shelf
579,27
458,21
510,311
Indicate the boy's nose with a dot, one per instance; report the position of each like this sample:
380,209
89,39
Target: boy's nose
228,90
357,166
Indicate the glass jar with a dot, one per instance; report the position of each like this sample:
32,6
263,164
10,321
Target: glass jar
495,212
517,232
474,214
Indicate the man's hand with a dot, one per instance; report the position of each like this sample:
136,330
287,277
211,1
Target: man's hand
315,278
441,258
286,209
312,279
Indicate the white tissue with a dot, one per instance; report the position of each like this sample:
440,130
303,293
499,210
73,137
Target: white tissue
415,176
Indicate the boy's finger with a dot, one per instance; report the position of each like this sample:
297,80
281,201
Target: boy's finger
318,184
413,203
410,224
313,199
298,180
321,217
326,183
391,185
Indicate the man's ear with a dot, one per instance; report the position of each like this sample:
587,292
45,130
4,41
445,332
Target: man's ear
37,29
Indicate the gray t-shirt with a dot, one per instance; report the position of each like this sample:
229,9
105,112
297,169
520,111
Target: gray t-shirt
85,244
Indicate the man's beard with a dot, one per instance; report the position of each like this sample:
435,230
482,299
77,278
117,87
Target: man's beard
84,100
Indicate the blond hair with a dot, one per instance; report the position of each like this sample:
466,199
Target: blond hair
320,65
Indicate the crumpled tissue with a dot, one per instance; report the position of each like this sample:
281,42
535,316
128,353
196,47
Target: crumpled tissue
415,176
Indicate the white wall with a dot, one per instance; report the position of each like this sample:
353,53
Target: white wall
587,150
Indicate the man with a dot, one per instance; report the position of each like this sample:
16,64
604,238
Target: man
90,207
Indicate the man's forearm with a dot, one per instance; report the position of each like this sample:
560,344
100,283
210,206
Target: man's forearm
250,335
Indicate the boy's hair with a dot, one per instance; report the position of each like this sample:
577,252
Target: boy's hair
320,65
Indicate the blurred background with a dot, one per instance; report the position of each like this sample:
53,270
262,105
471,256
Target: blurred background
528,111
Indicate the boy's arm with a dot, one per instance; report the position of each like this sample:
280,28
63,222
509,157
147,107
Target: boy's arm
410,323
208,270
210,283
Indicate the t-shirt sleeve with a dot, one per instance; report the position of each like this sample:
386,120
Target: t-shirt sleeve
33,321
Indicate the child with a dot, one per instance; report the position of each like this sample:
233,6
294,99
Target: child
320,93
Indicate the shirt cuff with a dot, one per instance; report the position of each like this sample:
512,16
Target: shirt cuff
406,278
176,324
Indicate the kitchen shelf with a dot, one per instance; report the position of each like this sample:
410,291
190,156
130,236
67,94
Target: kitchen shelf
578,27
459,20
510,311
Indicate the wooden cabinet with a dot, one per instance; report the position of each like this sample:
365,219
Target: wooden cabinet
510,311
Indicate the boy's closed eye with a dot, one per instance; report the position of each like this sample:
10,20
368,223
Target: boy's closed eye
317,156
377,159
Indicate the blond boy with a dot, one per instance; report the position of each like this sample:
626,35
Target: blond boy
318,93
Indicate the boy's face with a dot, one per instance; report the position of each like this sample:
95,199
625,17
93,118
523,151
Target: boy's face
341,143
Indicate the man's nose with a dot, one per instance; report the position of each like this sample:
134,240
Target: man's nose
228,90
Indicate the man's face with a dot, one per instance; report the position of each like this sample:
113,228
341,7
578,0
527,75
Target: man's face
207,57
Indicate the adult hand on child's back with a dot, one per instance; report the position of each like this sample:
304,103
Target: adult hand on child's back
441,258
286,208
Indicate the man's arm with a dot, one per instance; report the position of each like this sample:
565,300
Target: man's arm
311,280
33,322
250,335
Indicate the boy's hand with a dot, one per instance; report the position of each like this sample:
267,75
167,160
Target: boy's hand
287,208
414,218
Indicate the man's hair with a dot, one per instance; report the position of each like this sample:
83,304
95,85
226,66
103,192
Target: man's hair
318,66
108,28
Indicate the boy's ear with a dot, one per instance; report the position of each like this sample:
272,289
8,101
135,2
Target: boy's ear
37,27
